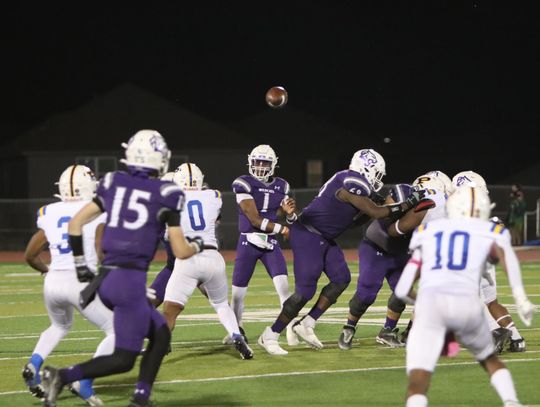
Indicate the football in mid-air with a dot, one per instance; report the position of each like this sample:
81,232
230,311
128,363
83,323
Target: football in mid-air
276,97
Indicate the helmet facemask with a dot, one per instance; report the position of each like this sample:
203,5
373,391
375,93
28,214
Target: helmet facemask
262,162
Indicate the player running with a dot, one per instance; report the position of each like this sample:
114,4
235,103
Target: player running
450,254
201,211
137,206
77,186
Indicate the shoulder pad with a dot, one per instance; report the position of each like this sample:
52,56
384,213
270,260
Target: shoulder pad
240,185
357,186
41,211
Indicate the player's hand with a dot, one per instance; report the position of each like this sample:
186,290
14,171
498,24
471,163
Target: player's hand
285,232
288,205
197,243
414,198
151,293
377,198
84,274
526,310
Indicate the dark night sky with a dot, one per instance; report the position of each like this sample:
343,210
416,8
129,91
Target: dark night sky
458,73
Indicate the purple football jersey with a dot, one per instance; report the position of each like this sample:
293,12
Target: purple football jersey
267,198
133,203
326,213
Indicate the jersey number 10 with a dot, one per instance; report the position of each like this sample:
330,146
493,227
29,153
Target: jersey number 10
458,242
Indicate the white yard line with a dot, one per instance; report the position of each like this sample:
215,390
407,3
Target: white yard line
282,374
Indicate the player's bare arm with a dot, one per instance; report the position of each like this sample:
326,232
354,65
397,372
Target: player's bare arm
99,234
35,246
250,210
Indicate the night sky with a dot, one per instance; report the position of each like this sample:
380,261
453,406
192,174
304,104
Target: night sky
426,74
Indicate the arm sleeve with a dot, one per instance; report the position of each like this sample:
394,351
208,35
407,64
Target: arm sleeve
357,186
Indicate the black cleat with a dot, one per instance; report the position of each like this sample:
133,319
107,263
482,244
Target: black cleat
405,333
346,337
29,376
137,402
52,383
389,337
517,345
501,337
242,347
243,334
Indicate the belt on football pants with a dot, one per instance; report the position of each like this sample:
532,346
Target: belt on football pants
208,247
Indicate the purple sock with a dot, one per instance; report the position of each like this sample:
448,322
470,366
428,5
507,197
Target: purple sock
351,322
390,323
142,390
71,374
315,313
278,326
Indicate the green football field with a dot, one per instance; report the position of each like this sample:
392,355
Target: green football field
201,371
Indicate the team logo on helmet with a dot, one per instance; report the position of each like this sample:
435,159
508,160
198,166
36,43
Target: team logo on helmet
368,158
463,180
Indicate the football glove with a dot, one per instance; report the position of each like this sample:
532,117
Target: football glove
197,243
414,198
525,310
84,274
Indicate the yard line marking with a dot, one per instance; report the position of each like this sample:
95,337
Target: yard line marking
281,374
37,336
50,356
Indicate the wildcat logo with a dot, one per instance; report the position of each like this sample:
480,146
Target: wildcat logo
463,180
368,158
158,144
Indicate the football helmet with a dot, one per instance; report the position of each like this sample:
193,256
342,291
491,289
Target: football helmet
471,179
400,192
188,176
261,162
371,165
445,179
147,150
77,183
468,202
428,182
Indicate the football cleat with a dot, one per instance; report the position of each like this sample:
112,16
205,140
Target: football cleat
136,402
242,347
269,341
306,333
513,404
389,337
346,337
227,340
501,337
517,345
52,383
292,338
92,400
32,380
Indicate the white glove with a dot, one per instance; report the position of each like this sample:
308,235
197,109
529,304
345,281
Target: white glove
525,310
151,293
259,240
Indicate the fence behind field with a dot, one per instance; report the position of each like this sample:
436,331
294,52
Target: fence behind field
18,217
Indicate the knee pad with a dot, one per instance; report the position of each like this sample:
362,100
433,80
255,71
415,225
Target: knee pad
293,305
395,304
357,307
333,290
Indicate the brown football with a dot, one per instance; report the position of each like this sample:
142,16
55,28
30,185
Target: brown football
276,97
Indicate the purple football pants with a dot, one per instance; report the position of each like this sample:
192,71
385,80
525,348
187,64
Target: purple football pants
375,266
160,283
313,255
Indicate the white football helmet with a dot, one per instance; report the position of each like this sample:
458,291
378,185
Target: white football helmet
445,179
147,149
188,176
77,183
371,165
261,162
426,181
471,179
468,202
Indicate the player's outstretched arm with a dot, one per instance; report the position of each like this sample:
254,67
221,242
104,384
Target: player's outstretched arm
510,265
411,220
250,210
35,246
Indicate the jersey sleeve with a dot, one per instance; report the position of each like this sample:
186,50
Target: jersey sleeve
241,186
502,235
219,201
172,196
40,221
357,186
416,239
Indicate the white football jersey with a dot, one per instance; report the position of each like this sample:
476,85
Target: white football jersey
54,219
454,253
439,211
200,213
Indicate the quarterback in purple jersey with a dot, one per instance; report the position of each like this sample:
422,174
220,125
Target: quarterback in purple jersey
138,205
341,200
261,199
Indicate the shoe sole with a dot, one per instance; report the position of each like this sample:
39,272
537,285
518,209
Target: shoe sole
313,345
383,341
